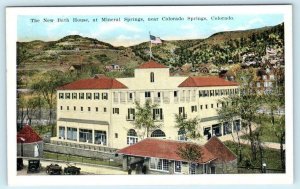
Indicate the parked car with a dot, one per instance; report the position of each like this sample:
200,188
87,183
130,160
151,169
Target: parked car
71,170
53,169
34,166
20,164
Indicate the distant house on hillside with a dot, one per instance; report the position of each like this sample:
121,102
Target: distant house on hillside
113,67
162,156
208,68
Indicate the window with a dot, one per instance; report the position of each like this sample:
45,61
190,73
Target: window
201,107
74,108
115,110
96,109
159,164
158,133
71,133
61,108
147,94
104,109
131,114
81,108
212,105
175,93
194,108
62,132
236,125
89,96
192,168
67,107
217,105
100,137
157,114
226,128
216,130
85,135
130,96
104,96
151,77
211,92
96,96
89,109
61,95
74,95
177,166
81,95
68,96
206,106
116,135
131,137
182,134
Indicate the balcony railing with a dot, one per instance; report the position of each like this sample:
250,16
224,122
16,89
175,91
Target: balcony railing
157,99
166,100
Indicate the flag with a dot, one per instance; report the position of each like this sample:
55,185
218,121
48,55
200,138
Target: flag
155,40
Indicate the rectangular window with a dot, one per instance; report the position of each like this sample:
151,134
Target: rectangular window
104,96
131,114
74,95
89,109
62,132
194,108
81,108
159,164
61,95
175,93
130,96
211,93
85,135
115,110
67,107
96,96
68,96
61,108
104,109
74,108
71,133
116,135
212,105
201,107
206,106
177,166
147,94
81,95
96,109
100,137
89,96
157,114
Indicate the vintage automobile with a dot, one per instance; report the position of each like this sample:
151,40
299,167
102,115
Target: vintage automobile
34,166
20,164
53,169
71,170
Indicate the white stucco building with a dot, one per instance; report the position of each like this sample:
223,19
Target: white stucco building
101,110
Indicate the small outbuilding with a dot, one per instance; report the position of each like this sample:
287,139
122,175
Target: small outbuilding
161,156
29,143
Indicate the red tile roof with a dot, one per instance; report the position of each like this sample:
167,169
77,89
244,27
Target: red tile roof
98,82
28,135
151,64
221,152
206,82
167,149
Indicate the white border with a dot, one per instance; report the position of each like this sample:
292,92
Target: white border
11,33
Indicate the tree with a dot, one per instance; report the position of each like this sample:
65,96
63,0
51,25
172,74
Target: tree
188,127
190,152
45,84
144,118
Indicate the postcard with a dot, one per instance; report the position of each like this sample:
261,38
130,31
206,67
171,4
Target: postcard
149,95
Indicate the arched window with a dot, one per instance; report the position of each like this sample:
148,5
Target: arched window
158,133
182,134
151,77
131,137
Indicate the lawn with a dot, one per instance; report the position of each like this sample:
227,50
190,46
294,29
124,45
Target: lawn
270,156
79,159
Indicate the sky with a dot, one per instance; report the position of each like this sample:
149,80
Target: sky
124,33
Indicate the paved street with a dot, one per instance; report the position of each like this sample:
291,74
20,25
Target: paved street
86,169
